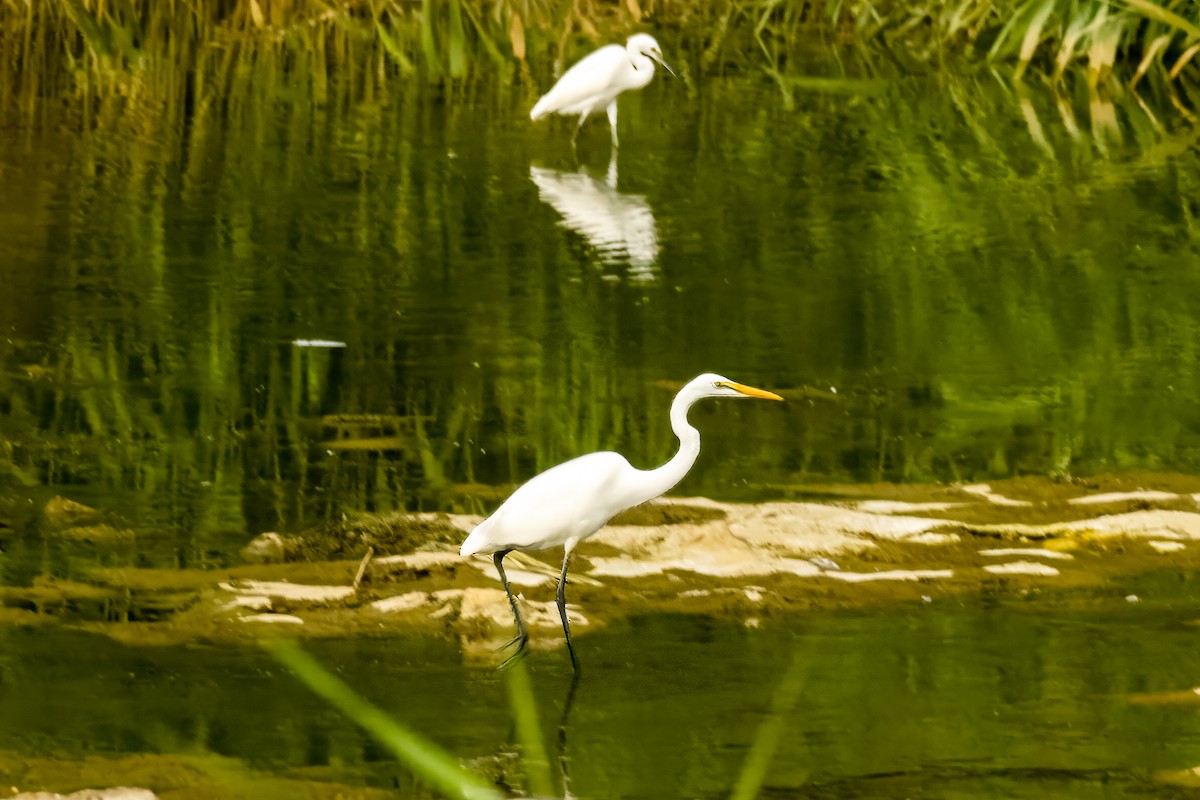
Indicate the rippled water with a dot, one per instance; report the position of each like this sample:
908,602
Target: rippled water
1032,698
951,280
269,306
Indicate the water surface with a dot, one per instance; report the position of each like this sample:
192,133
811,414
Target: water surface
951,280
277,301
956,698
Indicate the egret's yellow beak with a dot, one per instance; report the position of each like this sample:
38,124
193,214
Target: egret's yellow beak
750,391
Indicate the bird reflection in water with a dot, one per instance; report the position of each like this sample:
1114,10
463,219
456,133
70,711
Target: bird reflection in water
619,227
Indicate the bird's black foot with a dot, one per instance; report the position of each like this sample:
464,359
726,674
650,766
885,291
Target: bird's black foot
520,641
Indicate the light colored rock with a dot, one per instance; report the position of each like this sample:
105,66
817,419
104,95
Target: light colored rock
401,602
119,793
1149,522
818,527
751,540
287,619
1021,568
252,601
290,591
933,538
900,507
891,575
1157,523
1037,552
1121,497
782,537
525,570
800,566
492,605
1167,547
266,548
985,492
423,560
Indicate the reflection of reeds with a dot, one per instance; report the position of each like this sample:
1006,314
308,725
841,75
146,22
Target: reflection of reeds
191,235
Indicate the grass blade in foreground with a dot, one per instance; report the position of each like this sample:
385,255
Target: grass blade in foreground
524,708
428,761
766,741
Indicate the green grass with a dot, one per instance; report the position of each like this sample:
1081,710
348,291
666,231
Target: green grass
61,44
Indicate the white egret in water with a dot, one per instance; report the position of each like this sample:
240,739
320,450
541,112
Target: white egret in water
594,82
568,503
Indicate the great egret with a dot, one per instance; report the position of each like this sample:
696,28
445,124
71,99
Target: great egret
595,81
568,503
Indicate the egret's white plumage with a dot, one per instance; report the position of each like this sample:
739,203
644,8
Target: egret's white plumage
594,82
568,503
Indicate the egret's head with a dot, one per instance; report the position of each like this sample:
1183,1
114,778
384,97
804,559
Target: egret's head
712,385
644,44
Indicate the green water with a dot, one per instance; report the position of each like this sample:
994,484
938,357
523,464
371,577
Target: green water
951,280
944,700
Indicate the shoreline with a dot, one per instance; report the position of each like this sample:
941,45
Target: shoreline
860,546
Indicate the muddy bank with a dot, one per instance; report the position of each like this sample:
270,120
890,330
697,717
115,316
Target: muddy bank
175,777
853,546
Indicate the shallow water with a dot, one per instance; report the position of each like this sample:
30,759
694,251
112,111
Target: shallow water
267,306
955,698
950,280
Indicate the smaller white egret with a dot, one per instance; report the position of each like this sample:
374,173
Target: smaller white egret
568,503
595,81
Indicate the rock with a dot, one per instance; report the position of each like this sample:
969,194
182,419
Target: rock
492,605
891,575
287,619
255,602
1037,552
401,602
1124,497
290,591
1021,568
119,793
266,548
985,491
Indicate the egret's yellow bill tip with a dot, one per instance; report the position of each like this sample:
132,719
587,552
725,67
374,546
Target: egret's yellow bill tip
750,391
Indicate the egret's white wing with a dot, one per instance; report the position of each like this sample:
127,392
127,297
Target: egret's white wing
570,501
591,78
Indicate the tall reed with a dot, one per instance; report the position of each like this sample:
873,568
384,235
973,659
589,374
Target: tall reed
56,44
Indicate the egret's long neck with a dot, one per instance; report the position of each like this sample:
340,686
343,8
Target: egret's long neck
661,480
643,69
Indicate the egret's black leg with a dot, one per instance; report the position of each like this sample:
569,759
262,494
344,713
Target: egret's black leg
522,636
563,762
562,610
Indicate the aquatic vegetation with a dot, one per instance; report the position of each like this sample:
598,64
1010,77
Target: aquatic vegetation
98,44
